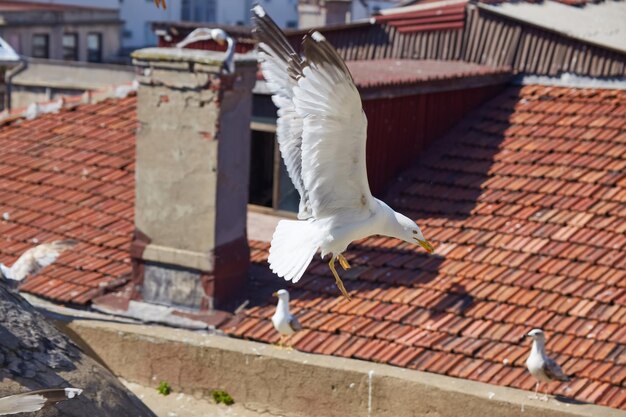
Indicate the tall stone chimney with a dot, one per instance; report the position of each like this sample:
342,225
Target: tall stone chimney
190,248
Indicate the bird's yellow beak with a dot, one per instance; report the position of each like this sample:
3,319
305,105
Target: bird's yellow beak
275,294
427,246
220,42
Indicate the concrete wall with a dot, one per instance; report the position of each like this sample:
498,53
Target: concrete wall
45,80
286,382
192,171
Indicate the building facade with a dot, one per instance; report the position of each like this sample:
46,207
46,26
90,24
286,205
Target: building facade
61,32
137,15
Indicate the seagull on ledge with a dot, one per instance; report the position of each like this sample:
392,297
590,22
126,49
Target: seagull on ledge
35,259
321,132
540,365
284,322
32,401
220,37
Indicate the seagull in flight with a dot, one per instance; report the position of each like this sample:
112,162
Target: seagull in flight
321,132
32,401
543,368
284,322
35,259
220,37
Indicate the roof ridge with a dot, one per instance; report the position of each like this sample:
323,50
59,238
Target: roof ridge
35,109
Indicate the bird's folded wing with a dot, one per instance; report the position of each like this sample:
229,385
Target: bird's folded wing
554,371
294,323
334,134
35,400
34,259
281,66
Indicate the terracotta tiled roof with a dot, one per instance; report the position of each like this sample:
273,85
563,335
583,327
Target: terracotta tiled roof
526,204
71,175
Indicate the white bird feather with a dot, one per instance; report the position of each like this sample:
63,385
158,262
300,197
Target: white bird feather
321,132
32,401
35,259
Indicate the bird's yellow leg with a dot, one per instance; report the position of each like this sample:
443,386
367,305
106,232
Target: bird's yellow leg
338,280
281,342
343,262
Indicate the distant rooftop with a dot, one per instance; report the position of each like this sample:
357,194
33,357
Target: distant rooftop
602,23
22,6
402,72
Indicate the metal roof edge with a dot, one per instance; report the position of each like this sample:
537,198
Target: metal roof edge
494,9
572,80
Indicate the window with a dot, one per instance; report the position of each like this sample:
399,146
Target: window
94,47
270,185
198,10
41,46
70,47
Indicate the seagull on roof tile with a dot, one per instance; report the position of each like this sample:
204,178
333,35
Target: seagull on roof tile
543,368
321,132
284,322
35,259
29,402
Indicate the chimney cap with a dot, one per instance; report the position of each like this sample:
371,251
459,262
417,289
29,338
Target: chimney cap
185,56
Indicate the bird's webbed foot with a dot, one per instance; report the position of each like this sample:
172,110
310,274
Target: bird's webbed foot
343,262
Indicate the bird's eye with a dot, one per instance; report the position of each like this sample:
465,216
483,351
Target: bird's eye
414,232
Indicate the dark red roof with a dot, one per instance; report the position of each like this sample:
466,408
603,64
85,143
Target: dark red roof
526,205
402,72
438,17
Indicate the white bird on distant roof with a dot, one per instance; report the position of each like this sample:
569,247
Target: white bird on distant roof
321,132
7,53
219,36
284,322
32,401
540,365
35,259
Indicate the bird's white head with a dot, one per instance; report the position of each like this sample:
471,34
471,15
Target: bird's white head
537,334
282,295
410,232
219,36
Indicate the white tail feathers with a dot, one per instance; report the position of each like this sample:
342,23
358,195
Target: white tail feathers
293,245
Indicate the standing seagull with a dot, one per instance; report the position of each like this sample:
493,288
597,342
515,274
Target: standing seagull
321,132
284,322
35,259
219,36
540,365
32,401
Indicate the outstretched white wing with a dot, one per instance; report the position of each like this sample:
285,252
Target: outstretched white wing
334,135
34,259
281,67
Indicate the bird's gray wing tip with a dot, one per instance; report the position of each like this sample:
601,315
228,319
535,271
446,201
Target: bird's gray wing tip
258,10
